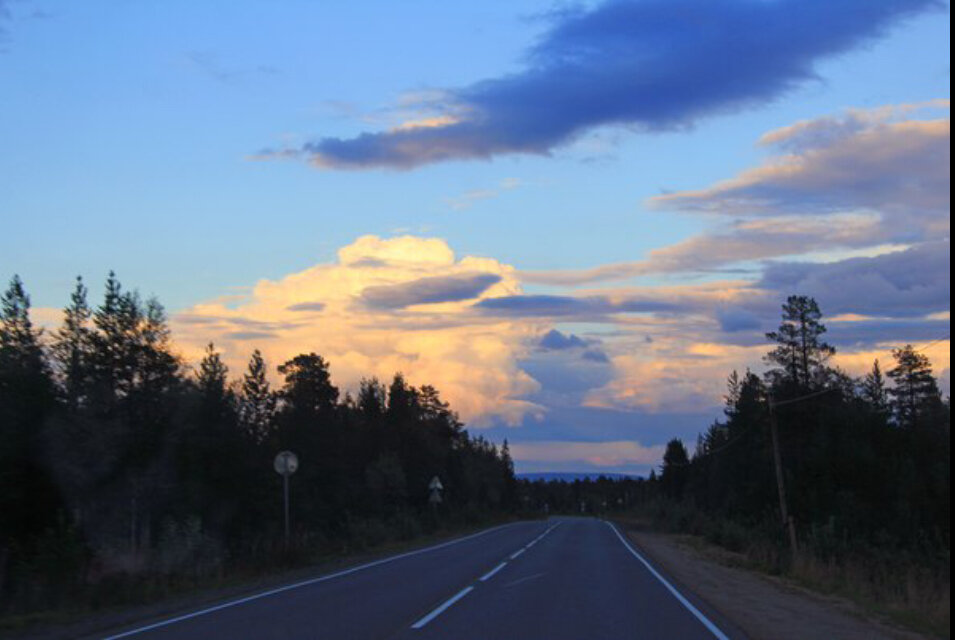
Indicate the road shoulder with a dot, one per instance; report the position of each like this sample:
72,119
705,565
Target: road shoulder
83,625
764,607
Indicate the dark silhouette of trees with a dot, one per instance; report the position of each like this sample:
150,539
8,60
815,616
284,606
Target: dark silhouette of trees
119,462
915,395
866,462
800,354
28,497
256,401
676,461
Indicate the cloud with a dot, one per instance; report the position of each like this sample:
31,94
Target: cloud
867,180
431,290
914,282
469,198
250,335
555,340
566,306
673,375
386,305
657,64
732,320
306,306
741,241
595,355
859,162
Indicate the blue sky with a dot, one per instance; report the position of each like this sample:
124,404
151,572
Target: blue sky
219,149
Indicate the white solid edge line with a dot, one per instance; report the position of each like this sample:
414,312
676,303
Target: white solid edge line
679,596
517,553
490,574
296,585
441,609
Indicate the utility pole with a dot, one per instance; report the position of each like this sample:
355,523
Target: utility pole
780,485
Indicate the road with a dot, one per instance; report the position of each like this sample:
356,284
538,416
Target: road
574,578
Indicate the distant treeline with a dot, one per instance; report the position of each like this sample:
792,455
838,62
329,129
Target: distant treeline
866,465
865,461
116,459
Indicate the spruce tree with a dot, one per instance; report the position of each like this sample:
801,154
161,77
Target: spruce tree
257,401
873,391
73,348
211,376
915,392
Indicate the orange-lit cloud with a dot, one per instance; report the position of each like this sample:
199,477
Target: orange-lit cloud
386,305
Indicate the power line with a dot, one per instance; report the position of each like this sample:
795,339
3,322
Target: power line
933,342
829,389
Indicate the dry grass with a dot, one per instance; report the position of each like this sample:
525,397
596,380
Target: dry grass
916,596
911,589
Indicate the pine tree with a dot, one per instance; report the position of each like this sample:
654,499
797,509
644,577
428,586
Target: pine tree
257,401
158,366
372,397
73,348
211,376
873,391
801,353
115,345
676,464
308,387
402,400
27,497
915,392
20,351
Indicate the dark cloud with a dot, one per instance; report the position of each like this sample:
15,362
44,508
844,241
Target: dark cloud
369,262
909,283
734,319
870,333
251,335
545,305
554,339
429,290
595,355
655,64
306,306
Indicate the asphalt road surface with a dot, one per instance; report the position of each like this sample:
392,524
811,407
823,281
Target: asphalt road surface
574,578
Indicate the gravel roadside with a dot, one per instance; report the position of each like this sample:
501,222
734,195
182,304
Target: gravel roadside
764,607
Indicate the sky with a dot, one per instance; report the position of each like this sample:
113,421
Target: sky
573,219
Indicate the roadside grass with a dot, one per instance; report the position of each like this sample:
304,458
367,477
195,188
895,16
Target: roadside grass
151,593
912,591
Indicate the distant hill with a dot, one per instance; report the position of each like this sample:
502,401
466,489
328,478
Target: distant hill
571,476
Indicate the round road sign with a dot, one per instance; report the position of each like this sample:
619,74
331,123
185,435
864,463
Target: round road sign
286,463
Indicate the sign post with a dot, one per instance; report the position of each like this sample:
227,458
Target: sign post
435,487
286,463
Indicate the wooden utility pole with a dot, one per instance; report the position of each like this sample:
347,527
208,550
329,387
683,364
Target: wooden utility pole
780,485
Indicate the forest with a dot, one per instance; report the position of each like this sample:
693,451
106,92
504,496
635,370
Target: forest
124,472
865,466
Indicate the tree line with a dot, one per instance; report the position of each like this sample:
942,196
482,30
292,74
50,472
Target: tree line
865,461
118,459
